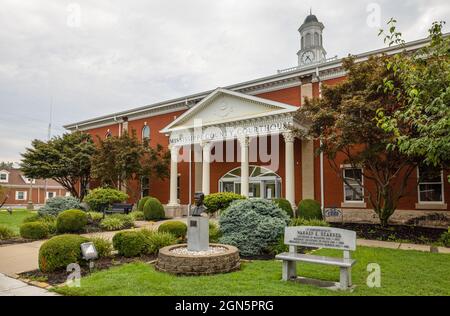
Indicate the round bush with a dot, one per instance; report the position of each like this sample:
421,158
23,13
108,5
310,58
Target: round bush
48,220
252,225
58,204
176,228
34,230
309,209
130,243
141,203
220,201
153,210
71,221
100,199
57,252
285,205
6,232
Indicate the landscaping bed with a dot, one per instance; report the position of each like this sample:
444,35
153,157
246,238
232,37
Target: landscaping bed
394,233
60,277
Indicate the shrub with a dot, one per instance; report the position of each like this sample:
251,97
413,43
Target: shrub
57,252
6,232
48,220
157,240
176,228
285,205
445,238
309,209
137,215
58,204
220,201
101,198
71,221
117,222
252,225
104,246
34,230
279,247
153,210
214,232
130,243
141,203
308,222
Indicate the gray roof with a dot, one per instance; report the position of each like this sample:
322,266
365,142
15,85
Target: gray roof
310,19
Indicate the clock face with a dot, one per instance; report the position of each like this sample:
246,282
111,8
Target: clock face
307,57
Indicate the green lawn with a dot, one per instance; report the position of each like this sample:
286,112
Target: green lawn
13,221
403,273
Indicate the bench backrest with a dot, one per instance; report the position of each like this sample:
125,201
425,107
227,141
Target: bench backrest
122,206
320,237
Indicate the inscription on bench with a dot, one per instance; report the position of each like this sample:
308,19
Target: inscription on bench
320,237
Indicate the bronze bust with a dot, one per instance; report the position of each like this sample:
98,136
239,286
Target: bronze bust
199,207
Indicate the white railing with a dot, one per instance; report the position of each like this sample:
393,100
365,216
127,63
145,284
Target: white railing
309,65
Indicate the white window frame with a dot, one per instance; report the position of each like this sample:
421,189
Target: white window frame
67,194
47,197
149,132
344,184
442,189
7,177
24,195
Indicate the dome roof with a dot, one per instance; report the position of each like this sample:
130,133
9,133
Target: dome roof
311,18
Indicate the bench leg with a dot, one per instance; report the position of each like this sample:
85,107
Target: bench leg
289,270
345,278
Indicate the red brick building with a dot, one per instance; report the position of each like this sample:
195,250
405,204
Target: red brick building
238,138
21,190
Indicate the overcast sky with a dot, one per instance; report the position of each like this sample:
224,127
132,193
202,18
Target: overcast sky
117,55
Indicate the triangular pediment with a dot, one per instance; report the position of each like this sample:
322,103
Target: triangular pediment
223,106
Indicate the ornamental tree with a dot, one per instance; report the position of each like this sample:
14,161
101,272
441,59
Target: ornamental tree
421,85
343,120
65,159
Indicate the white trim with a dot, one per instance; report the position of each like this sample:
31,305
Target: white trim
420,203
47,193
24,195
6,173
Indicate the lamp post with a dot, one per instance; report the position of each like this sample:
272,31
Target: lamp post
30,196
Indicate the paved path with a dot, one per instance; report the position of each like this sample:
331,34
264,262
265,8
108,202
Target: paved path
15,259
13,287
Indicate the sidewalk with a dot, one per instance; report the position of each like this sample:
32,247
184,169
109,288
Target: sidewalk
13,287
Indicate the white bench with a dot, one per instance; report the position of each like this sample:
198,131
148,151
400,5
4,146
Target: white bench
319,237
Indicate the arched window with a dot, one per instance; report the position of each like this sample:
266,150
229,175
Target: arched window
308,40
108,133
303,42
316,39
146,132
263,183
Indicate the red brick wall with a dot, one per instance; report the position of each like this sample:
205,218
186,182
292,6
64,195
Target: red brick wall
38,195
289,96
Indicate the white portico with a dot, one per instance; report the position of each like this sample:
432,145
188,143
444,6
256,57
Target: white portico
224,116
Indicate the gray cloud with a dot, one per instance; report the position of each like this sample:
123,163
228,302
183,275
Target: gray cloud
133,53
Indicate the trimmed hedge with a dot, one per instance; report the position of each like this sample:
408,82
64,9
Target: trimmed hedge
142,202
71,221
220,201
100,199
130,243
285,205
176,228
309,209
58,252
48,220
153,210
34,230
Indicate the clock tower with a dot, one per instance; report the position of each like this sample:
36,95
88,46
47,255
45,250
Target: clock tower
311,45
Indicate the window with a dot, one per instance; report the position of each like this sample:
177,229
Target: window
308,40
4,177
108,133
145,186
430,185
21,195
68,194
146,133
354,178
316,39
50,195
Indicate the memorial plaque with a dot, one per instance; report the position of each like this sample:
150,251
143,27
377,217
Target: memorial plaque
320,237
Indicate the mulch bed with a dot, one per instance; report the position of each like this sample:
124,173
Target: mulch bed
60,277
399,233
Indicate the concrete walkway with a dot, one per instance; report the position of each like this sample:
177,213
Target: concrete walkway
13,287
18,258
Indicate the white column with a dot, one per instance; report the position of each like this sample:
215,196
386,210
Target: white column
173,201
289,167
244,166
205,168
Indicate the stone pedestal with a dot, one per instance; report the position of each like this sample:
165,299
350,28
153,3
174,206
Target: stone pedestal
198,233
